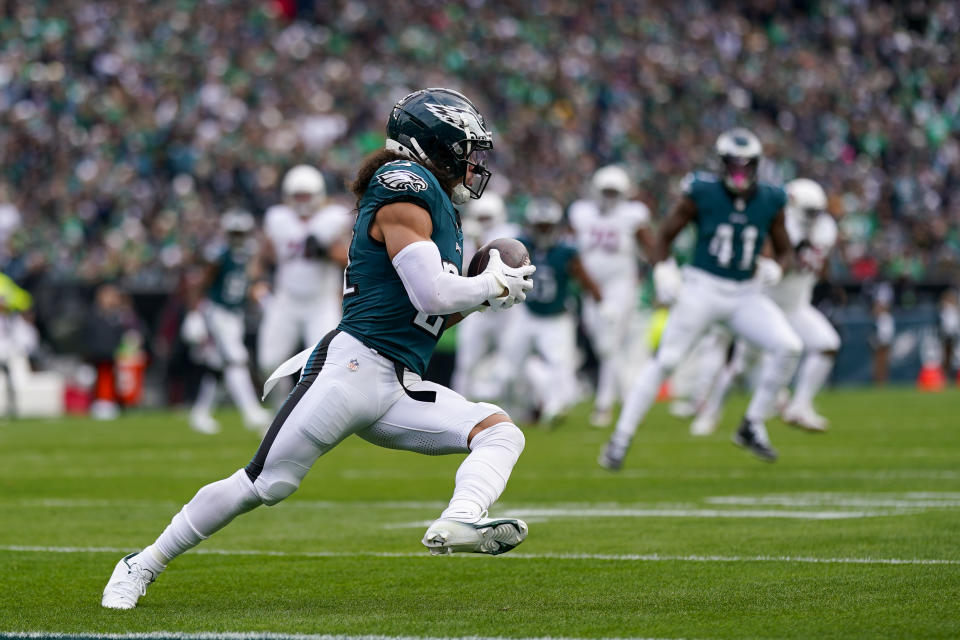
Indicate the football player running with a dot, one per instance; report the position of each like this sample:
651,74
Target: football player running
813,232
401,289
608,227
215,328
734,214
545,325
307,238
479,336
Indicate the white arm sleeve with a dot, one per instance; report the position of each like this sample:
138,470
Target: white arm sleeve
435,291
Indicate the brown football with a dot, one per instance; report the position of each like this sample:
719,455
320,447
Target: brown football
512,252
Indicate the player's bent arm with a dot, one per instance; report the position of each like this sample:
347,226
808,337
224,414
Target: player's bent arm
647,240
780,239
405,228
682,214
584,280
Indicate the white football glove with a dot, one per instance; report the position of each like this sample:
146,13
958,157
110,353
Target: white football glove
516,280
768,272
667,281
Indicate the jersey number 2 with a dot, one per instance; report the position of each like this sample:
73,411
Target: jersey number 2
721,245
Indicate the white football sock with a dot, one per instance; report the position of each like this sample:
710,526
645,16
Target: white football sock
607,383
240,386
638,402
206,395
214,506
713,404
810,379
777,369
483,475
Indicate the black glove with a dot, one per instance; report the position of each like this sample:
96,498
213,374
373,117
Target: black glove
313,250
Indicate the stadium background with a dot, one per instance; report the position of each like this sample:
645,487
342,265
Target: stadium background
126,128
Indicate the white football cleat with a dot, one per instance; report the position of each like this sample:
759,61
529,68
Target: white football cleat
704,424
683,408
805,418
204,423
128,582
601,418
487,535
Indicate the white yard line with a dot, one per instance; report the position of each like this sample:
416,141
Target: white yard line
605,557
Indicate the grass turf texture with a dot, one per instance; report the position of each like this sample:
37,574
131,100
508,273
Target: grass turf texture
890,466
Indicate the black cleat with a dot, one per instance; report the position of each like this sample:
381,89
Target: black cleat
752,436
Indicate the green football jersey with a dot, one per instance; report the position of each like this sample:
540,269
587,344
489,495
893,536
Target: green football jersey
730,230
376,309
552,281
229,288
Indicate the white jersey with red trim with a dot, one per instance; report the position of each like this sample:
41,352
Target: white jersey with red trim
607,241
812,242
299,276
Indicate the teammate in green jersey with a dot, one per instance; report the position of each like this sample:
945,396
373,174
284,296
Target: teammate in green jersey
734,214
401,288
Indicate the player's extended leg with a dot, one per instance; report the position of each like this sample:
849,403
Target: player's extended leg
761,322
432,419
821,343
201,414
711,410
696,309
556,342
606,324
227,331
328,403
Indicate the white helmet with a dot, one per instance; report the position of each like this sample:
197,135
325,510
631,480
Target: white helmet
484,214
237,221
543,217
806,198
611,179
303,190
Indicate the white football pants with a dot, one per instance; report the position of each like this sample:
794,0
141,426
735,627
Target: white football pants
607,324
479,336
552,340
347,388
704,301
288,321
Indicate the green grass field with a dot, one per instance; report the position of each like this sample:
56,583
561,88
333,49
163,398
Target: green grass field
852,534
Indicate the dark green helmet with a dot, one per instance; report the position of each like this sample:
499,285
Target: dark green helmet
442,129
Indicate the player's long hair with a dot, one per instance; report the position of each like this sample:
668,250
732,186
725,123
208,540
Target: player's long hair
381,157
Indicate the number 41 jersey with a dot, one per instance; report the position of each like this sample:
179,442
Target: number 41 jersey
731,230
376,309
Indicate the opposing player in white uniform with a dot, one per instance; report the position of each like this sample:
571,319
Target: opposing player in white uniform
608,227
813,233
307,238
215,328
480,335
734,214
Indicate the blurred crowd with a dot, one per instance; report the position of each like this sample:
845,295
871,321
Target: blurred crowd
126,126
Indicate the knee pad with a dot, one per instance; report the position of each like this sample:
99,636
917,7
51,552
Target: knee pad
505,434
274,485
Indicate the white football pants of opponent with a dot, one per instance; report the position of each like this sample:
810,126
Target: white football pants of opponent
607,323
217,335
704,301
286,322
479,337
544,348
820,344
